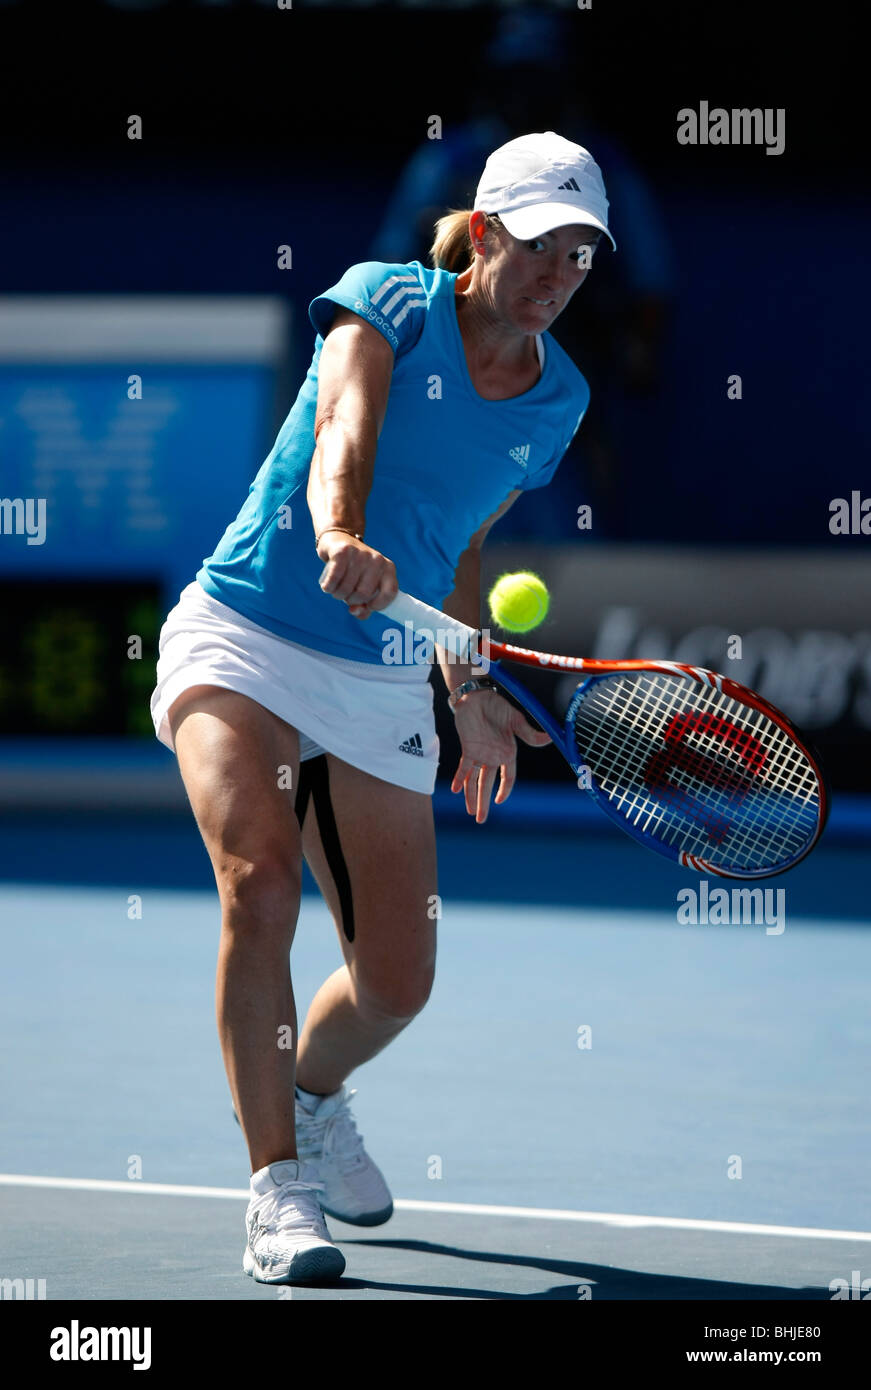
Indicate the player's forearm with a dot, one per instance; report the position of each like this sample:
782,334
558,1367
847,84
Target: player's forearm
340,477
463,603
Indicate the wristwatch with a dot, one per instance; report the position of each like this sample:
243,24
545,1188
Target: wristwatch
476,683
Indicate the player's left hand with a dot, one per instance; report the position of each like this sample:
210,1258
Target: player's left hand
489,727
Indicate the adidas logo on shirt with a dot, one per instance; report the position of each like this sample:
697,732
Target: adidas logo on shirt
572,184
412,745
398,294
520,455
391,303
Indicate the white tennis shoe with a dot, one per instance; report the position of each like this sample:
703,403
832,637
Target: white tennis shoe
288,1240
354,1188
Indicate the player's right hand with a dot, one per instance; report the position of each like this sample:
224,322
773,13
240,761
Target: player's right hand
355,573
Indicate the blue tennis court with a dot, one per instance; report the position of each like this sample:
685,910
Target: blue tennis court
598,1102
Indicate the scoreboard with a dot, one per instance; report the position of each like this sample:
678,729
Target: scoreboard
130,430
65,656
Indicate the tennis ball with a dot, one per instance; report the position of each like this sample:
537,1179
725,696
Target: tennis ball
519,602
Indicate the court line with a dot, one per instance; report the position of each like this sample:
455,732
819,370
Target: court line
606,1218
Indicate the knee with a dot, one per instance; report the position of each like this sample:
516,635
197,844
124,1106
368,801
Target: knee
262,890
397,1000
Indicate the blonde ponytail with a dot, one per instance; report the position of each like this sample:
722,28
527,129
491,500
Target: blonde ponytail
452,247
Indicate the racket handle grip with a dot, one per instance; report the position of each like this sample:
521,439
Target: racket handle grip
405,609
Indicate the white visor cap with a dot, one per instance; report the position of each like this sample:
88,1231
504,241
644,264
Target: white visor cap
539,182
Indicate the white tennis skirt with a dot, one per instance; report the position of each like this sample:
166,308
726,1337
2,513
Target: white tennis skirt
378,718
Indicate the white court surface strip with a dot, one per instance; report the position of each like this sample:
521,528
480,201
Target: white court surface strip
605,1218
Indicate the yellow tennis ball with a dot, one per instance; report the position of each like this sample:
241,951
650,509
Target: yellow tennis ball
519,602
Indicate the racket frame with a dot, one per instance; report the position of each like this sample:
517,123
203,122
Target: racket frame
563,736
479,649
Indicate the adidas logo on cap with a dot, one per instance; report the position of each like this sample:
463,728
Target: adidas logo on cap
572,184
412,745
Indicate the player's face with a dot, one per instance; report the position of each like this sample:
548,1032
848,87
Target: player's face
531,282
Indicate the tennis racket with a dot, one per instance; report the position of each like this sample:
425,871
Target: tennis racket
688,762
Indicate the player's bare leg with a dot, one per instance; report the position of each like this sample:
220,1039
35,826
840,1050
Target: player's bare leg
230,750
388,842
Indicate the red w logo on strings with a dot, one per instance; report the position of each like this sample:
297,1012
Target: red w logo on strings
723,757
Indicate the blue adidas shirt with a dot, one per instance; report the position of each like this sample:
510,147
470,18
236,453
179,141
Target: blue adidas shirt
446,460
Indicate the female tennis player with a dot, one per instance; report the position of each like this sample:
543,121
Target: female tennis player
302,728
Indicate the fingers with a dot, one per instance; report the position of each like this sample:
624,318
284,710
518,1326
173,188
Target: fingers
380,599
466,780
479,788
359,576
507,778
477,781
486,781
536,738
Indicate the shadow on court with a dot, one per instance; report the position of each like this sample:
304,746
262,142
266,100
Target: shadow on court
92,1244
603,1281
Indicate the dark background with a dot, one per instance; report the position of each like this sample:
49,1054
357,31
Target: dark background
265,127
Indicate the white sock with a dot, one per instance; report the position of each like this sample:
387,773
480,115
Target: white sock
308,1099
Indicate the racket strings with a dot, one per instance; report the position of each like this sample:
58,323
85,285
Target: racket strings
698,769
